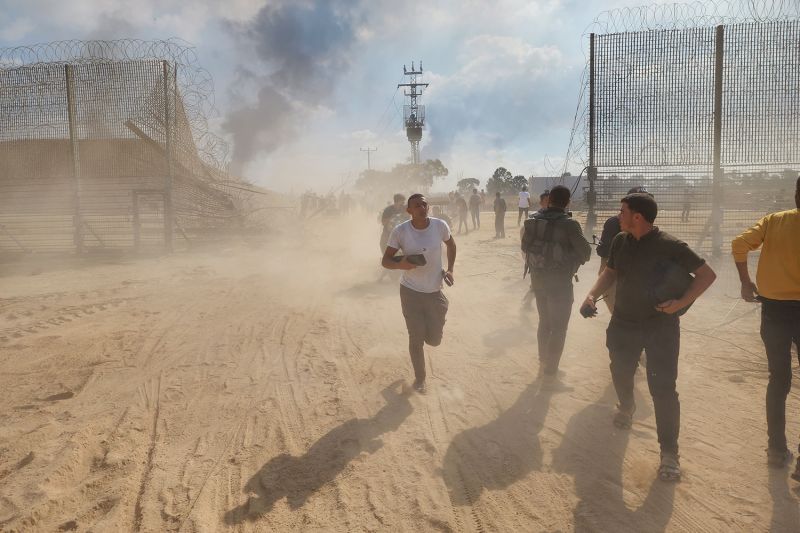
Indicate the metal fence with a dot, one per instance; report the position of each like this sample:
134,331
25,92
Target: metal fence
707,118
97,151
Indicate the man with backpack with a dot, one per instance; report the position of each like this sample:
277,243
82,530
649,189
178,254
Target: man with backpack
554,248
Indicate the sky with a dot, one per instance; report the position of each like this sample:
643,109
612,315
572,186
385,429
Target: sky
302,86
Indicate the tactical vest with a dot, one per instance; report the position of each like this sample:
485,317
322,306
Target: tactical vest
546,245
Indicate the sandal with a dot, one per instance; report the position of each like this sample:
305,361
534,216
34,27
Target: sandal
670,468
623,419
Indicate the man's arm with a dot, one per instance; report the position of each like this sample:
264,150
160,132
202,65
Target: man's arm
451,259
603,283
583,250
751,239
704,276
388,262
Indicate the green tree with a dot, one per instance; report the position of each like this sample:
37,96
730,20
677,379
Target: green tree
466,185
516,183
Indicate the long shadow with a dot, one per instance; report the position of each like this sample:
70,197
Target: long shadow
785,514
297,478
593,452
503,451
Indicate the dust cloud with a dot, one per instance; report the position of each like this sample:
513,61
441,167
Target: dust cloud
262,383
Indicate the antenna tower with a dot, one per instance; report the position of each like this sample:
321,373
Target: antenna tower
413,113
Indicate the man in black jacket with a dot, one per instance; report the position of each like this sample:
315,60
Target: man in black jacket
554,247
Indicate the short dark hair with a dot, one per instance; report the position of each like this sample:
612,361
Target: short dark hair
544,194
497,193
559,196
414,197
399,197
642,203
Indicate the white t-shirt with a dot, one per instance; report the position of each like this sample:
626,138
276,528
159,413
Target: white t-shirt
427,242
524,199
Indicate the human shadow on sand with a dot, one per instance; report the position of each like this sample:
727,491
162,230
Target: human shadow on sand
593,452
500,453
785,514
297,478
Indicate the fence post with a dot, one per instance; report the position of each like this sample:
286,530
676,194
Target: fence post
591,171
717,176
168,214
77,217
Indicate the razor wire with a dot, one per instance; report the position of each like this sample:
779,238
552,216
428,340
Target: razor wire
195,84
654,86
663,17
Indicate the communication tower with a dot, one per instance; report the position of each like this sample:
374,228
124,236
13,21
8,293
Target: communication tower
413,113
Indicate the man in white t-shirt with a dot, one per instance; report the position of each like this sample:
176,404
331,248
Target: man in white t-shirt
524,203
422,300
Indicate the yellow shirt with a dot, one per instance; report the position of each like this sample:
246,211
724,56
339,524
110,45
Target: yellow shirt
778,276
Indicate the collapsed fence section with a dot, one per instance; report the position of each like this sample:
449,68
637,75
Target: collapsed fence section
101,155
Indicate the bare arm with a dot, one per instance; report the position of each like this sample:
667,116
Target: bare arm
703,278
451,259
607,278
388,262
749,289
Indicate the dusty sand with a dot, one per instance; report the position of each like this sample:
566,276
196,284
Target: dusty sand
262,387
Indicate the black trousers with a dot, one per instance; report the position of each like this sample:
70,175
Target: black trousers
660,338
499,220
780,325
554,305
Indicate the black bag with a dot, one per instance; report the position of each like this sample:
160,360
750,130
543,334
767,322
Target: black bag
670,282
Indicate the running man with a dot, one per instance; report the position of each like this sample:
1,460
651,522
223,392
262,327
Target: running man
421,298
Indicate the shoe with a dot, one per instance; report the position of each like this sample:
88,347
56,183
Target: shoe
419,386
670,468
779,458
623,419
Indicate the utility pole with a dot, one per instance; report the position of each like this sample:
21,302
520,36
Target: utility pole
413,114
369,151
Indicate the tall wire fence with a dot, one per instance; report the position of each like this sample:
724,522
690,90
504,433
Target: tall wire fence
700,103
104,145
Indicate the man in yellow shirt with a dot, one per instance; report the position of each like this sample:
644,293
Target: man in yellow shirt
778,288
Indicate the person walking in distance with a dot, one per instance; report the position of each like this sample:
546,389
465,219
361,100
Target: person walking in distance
461,206
778,288
475,209
524,203
645,262
500,208
555,248
423,303
390,217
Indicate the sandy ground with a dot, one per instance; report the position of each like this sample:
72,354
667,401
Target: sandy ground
263,387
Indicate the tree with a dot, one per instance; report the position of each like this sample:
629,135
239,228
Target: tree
516,183
467,184
499,181
402,177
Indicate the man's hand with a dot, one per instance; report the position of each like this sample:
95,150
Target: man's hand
749,291
588,307
670,307
448,277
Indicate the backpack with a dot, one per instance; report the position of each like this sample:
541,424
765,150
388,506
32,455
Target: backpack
543,249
